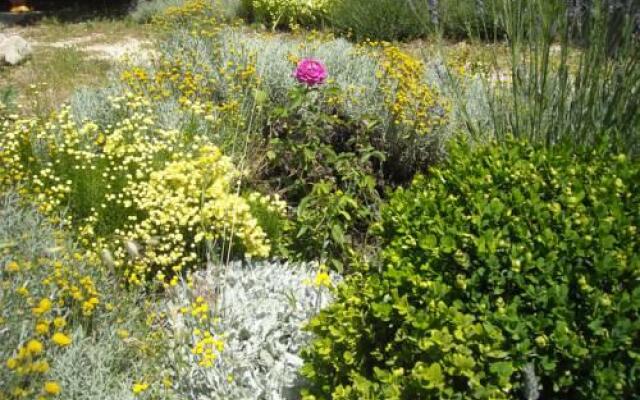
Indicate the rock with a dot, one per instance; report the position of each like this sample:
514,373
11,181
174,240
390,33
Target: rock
13,49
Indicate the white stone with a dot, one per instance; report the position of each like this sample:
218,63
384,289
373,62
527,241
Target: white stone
13,49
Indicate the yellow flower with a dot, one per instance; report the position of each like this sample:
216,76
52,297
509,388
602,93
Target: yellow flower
166,382
59,322
61,339
122,333
13,266
42,328
12,363
322,279
52,388
89,305
40,366
43,306
139,387
34,346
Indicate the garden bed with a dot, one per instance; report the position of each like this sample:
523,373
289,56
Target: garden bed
283,213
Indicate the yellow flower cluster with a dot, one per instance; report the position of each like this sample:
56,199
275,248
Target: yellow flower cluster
322,279
172,78
139,387
200,16
36,151
189,203
412,102
164,196
195,83
62,295
205,346
15,138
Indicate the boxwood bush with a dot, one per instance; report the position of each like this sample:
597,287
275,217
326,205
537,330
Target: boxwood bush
512,272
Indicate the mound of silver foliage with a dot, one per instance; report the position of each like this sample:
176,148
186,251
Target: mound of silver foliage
262,308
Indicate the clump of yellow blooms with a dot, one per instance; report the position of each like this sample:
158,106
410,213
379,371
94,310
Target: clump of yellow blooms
189,203
42,307
139,387
412,103
200,16
52,388
153,199
205,346
322,279
194,83
206,349
61,339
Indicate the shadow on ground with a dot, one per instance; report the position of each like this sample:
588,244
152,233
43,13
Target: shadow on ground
77,10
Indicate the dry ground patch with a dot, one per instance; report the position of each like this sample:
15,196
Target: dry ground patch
70,55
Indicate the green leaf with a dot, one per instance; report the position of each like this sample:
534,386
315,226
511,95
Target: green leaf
503,370
382,310
337,265
462,362
428,242
447,244
337,234
431,376
496,206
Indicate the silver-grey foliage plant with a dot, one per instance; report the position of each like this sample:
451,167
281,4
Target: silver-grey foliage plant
98,365
262,308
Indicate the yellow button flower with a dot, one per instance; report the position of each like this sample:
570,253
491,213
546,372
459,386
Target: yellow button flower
59,322
139,387
122,333
12,363
34,346
13,266
40,366
52,388
322,279
43,306
42,328
61,339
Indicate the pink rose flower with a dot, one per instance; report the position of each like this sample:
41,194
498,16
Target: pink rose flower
310,72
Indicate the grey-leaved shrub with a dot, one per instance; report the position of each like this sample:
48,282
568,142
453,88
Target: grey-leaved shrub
98,364
262,308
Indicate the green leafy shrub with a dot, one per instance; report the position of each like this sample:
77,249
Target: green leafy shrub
283,13
505,260
332,165
324,164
